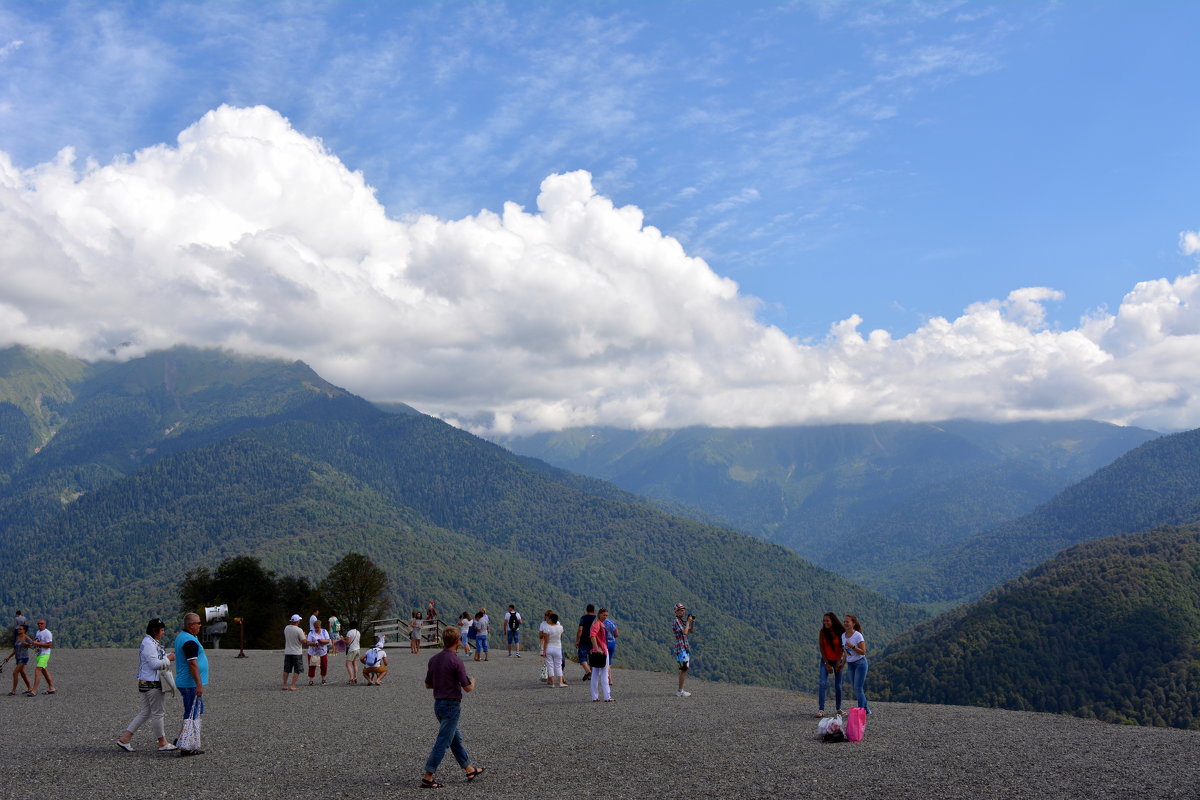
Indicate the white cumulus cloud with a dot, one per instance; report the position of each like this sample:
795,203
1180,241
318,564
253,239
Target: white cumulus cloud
249,235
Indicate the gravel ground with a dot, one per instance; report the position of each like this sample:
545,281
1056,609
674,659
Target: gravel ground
724,741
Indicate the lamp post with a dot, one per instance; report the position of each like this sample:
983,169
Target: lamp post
241,637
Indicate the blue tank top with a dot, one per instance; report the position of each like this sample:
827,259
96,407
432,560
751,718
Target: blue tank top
183,675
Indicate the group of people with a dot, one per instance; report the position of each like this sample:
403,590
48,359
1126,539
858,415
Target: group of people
184,668
843,648
316,646
40,644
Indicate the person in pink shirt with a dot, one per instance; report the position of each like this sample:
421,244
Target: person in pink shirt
599,659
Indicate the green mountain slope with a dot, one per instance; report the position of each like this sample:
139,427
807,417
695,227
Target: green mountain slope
1108,629
173,462
1153,485
859,499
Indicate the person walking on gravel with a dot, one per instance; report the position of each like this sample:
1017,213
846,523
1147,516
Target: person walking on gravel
191,673
43,642
152,658
447,676
682,648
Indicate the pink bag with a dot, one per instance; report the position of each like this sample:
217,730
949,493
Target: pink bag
856,725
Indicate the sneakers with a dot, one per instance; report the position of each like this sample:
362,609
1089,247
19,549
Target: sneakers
126,746
682,693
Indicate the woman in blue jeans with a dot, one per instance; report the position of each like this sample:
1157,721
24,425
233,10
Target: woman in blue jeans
855,646
829,643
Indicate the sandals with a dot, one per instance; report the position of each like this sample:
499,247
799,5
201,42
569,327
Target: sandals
428,784
475,773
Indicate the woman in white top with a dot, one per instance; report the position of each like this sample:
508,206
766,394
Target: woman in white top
855,647
464,625
151,659
550,632
352,639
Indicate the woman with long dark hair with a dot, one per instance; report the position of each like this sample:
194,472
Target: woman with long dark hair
833,658
856,658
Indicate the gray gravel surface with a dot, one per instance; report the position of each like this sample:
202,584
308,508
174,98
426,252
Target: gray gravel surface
723,741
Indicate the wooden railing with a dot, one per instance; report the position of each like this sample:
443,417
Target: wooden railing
396,630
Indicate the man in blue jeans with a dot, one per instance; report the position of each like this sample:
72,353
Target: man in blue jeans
447,676
191,672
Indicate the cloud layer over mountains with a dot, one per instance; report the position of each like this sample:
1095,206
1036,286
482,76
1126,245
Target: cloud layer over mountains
248,235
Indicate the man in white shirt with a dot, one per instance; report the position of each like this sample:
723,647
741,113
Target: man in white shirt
293,652
512,629
375,664
43,641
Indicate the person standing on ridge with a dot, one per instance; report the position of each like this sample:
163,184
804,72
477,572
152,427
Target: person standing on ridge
833,658
682,648
481,634
583,640
18,621
318,653
293,652
351,639
512,629
598,658
856,658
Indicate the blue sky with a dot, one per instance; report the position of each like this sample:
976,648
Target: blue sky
902,162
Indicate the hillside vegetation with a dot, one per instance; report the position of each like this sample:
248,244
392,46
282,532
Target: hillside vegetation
863,500
184,458
1109,629
1153,485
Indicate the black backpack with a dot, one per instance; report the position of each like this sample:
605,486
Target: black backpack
514,621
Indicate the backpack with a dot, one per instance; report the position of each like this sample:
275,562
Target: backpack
514,621
372,659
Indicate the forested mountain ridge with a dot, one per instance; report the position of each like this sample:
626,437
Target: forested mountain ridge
184,458
884,492
1107,629
1153,485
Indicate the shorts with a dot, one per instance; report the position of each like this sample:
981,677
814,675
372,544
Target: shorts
24,660
683,657
43,660
481,644
514,636
352,655
583,653
292,663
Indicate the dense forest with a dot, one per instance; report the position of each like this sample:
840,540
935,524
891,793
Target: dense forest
181,460
1155,484
887,492
1109,629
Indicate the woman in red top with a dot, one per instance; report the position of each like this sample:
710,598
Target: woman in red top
833,658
